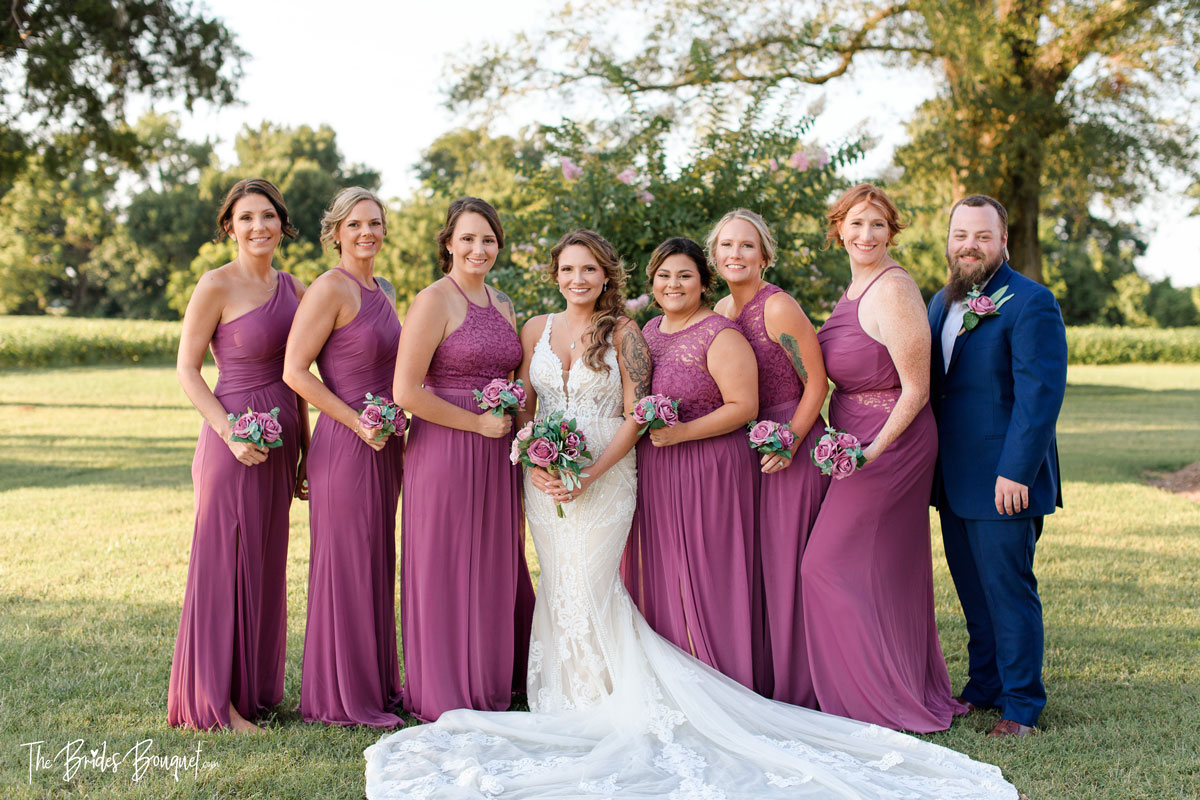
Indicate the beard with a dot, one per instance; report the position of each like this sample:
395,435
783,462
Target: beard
962,277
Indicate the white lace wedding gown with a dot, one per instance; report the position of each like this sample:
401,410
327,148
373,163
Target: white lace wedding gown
616,710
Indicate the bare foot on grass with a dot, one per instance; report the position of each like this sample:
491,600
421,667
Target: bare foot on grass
239,723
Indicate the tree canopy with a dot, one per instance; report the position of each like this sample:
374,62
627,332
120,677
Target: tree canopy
1038,101
68,68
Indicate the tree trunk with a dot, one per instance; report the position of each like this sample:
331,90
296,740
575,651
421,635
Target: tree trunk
1024,209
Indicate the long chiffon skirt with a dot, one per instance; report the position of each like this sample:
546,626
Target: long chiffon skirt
788,503
233,628
466,597
690,561
351,674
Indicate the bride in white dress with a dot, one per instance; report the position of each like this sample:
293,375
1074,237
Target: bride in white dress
615,710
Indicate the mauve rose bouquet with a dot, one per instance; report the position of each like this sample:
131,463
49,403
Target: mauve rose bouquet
501,395
769,437
554,444
838,454
381,416
655,411
980,305
258,427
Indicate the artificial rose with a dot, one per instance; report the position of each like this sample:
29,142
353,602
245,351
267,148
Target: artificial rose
246,426
525,432
514,455
571,453
573,440
491,392
271,429
542,452
761,432
518,392
786,437
824,450
982,305
847,441
401,422
371,418
666,412
844,465
639,412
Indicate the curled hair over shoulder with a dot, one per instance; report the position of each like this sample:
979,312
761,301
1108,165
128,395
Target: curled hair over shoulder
465,205
340,207
249,186
766,242
981,200
610,305
682,246
869,193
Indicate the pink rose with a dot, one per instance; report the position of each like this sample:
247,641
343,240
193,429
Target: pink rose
246,426
518,392
571,453
401,422
371,418
982,305
491,392
514,455
271,429
825,450
844,465
525,432
665,410
542,452
761,432
786,437
573,440
639,411
847,441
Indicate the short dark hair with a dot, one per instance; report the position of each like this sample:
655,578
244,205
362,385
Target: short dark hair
250,186
464,205
979,201
681,245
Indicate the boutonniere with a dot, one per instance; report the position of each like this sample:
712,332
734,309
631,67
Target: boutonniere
980,305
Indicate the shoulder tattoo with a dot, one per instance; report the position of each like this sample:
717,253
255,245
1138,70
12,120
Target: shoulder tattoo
792,348
636,355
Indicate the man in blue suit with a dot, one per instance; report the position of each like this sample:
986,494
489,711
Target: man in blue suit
999,371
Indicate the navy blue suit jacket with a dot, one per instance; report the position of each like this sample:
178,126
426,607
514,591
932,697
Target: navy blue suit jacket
997,405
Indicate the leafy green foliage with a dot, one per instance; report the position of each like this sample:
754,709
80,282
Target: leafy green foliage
1097,344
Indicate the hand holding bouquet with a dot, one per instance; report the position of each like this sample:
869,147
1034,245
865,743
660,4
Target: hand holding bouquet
380,417
501,395
259,428
655,411
770,438
556,445
838,454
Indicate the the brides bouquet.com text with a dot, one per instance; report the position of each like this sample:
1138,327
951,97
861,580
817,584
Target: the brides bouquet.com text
556,445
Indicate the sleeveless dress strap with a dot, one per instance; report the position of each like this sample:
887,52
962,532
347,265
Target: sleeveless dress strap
361,285
873,280
470,302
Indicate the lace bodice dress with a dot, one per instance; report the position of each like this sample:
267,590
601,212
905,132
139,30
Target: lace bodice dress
618,711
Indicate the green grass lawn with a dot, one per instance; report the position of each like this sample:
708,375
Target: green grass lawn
95,525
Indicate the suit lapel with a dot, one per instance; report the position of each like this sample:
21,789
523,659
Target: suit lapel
1002,277
939,319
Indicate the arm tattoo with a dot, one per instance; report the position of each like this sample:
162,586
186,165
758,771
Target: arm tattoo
505,300
792,348
636,355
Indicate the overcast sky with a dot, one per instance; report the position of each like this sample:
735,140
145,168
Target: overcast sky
374,72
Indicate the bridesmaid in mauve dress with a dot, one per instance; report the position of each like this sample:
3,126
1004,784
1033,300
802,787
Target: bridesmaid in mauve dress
229,656
350,674
466,603
689,561
867,575
791,388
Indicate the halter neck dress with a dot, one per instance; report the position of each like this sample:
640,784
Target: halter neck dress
466,597
351,673
788,503
233,629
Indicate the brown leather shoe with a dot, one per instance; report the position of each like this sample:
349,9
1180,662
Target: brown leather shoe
1007,727
971,707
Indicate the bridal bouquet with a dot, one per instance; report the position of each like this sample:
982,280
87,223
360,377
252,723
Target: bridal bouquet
655,411
382,417
554,444
258,427
501,395
769,437
838,454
